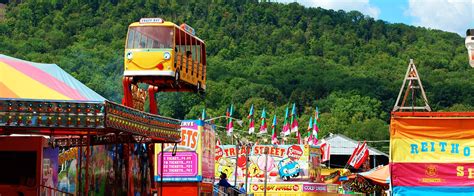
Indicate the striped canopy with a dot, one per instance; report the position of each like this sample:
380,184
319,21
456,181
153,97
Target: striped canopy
380,175
21,79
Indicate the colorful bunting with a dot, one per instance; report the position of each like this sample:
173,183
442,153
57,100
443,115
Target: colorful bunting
274,131
230,126
310,129
294,121
263,124
251,121
298,137
286,127
203,114
316,126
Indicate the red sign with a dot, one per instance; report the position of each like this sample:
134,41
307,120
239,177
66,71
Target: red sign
219,153
295,152
241,161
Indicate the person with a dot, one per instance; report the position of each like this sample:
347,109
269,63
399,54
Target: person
223,181
188,54
242,188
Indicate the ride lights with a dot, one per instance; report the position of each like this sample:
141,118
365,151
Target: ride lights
20,108
28,121
19,120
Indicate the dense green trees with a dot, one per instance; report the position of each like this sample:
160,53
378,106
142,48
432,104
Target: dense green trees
261,53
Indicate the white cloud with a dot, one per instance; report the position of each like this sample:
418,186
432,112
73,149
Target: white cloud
347,5
448,15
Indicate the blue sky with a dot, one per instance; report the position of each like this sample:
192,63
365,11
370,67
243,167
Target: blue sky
448,15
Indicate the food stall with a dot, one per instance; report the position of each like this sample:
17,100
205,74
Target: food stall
290,169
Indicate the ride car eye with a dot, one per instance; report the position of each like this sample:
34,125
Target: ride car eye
285,171
166,55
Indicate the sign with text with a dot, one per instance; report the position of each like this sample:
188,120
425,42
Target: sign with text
183,164
315,188
194,160
432,155
292,188
284,162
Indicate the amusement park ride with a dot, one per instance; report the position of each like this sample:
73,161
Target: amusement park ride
160,54
167,57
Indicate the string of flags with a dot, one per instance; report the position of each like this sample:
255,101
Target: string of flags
290,125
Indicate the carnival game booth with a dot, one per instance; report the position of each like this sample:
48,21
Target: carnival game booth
376,180
431,153
290,169
188,167
67,129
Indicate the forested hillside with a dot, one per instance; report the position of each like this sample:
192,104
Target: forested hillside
266,54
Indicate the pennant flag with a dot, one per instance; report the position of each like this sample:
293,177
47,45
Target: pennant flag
251,122
218,142
359,156
227,115
230,127
353,153
294,121
316,114
286,127
325,151
203,115
274,131
298,137
263,123
310,129
316,126
311,139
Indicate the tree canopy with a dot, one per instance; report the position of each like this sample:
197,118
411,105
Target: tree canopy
261,53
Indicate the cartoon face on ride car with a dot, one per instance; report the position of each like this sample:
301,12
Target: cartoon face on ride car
288,168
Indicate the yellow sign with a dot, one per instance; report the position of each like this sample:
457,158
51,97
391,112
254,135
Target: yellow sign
280,188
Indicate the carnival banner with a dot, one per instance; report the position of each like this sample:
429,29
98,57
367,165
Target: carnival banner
432,156
284,162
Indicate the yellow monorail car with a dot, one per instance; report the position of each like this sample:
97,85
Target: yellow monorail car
161,53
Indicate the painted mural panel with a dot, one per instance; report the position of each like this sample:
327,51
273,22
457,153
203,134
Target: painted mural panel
284,163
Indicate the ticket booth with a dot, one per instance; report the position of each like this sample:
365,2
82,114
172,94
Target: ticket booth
188,167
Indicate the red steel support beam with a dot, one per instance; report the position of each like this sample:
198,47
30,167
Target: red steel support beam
152,90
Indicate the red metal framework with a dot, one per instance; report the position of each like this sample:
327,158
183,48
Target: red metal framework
83,124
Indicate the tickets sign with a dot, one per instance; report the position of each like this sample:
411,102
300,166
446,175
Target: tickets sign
183,164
